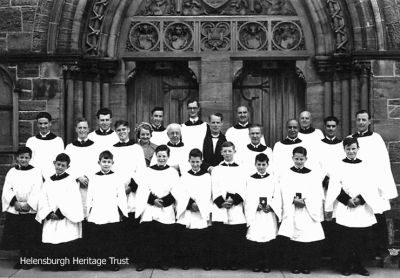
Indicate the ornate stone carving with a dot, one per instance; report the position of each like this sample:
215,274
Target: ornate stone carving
94,26
287,36
274,7
144,37
158,7
178,36
338,24
252,36
215,36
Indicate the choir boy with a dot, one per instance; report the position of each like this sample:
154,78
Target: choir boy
159,136
302,197
155,207
194,130
229,222
104,137
353,198
193,208
45,146
262,209
107,207
20,195
60,210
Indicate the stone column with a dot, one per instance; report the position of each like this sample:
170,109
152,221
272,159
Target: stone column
69,104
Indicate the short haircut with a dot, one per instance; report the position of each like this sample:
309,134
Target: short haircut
63,157
80,120
362,111
143,125
228,144
300,150
106,155
293,119
41,115
349,141
261,157
103,111
174,125
121,122
162,148
191,100
219,115
256,125
247,109
196,153
157,108
25,149
330,119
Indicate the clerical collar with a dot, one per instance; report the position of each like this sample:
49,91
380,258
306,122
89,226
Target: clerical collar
82,143
303,170
59,177
307,130
241,126
159,167
333,141
23,168
159,128
218,136
290,141
198,173
362,134
104,132
258,175
180,144
259,148
351,161
101,173
229,164
48,136
130,142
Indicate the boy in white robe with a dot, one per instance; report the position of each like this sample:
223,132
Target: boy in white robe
107,207
20,196
194,130
229,222
353,199
302,197
60,210
45,146
262,209
155,207
193,209
103,137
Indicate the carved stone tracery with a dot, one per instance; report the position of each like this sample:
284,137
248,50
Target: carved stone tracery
95,24
339,25
215,36
178,36
252,36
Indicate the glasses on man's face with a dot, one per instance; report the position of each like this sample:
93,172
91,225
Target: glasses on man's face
193,108
292,127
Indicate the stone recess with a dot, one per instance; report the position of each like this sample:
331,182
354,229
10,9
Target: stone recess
45,88
11,20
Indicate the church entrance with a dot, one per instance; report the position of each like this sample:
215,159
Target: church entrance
273,91
165,84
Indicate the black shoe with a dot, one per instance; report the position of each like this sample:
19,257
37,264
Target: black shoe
305,271
18,265
295,271
256,269
207,268
233,267
224,267
140,267
266,269
163,267
345,272
185,267
26,266
113,267
362,271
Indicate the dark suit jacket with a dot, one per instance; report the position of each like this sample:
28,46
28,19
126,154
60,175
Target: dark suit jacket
210,157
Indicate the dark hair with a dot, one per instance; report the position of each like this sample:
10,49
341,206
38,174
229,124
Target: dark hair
262,157
196,153
228,144
331,118
162,148
63,157
106,155
300,150
256,125
349,141
43,115
191,100
217,115
121,122
80,120
25,149
103,111
157,108
362,111
293,119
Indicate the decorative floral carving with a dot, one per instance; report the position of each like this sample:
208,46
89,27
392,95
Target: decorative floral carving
144,36
274,7
252,36
215,36
158,7
287,36
178,36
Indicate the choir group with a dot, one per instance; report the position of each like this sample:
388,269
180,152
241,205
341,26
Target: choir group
188,195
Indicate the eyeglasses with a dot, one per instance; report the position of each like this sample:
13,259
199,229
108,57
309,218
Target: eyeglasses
292,127
193,108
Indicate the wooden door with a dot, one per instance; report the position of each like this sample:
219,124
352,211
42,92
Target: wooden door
165,84
273,92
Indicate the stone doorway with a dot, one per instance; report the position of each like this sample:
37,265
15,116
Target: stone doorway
274,92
